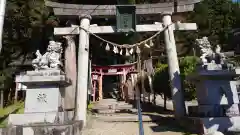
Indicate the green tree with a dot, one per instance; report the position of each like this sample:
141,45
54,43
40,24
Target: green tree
28,25
188,66
215,19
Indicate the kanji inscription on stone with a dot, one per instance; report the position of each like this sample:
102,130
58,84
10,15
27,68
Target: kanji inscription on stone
42,97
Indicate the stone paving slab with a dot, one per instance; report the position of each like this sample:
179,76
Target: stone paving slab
126,128
165,126
126,124
125,117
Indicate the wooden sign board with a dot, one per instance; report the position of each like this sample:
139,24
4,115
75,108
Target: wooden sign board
126,18
95,77
112,70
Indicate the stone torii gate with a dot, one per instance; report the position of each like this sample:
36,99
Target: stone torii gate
85,12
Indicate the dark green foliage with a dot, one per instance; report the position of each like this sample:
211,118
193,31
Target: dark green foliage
27,26
187,66
215,19
161,83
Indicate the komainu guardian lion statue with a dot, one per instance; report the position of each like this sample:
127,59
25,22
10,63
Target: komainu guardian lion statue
51,59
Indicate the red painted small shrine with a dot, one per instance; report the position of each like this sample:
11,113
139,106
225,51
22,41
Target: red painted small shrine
99,71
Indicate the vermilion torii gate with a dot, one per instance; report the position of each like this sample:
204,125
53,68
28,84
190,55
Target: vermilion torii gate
85,12
120,69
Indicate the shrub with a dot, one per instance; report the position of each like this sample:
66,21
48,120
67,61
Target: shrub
187,66
161,84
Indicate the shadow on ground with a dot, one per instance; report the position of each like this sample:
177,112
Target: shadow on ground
166,124
151,108
163,118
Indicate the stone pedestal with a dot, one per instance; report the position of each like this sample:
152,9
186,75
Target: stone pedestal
44,102
218,102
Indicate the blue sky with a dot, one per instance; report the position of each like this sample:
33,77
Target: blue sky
235,0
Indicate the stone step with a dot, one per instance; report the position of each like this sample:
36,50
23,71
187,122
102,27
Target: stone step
106,111
127,118
111,105
112,111
108,101
126,107
106,104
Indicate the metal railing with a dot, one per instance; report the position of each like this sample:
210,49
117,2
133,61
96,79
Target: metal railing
140,121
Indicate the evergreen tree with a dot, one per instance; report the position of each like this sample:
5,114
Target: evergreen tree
28,25
215,19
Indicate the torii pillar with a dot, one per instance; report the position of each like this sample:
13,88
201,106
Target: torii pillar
173,67
82,70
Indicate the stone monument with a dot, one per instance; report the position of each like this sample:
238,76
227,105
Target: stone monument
218,101
44,92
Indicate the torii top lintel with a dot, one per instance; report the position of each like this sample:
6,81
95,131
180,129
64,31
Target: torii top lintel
119,69
118,66
76,10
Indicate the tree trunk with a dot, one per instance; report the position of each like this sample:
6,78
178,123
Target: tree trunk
16,96
1,99
143,91
70,70
10,96
154,97
165,102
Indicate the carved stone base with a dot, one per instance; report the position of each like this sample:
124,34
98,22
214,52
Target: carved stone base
211,66
52,123
44,91
213,110
42,77
210,124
